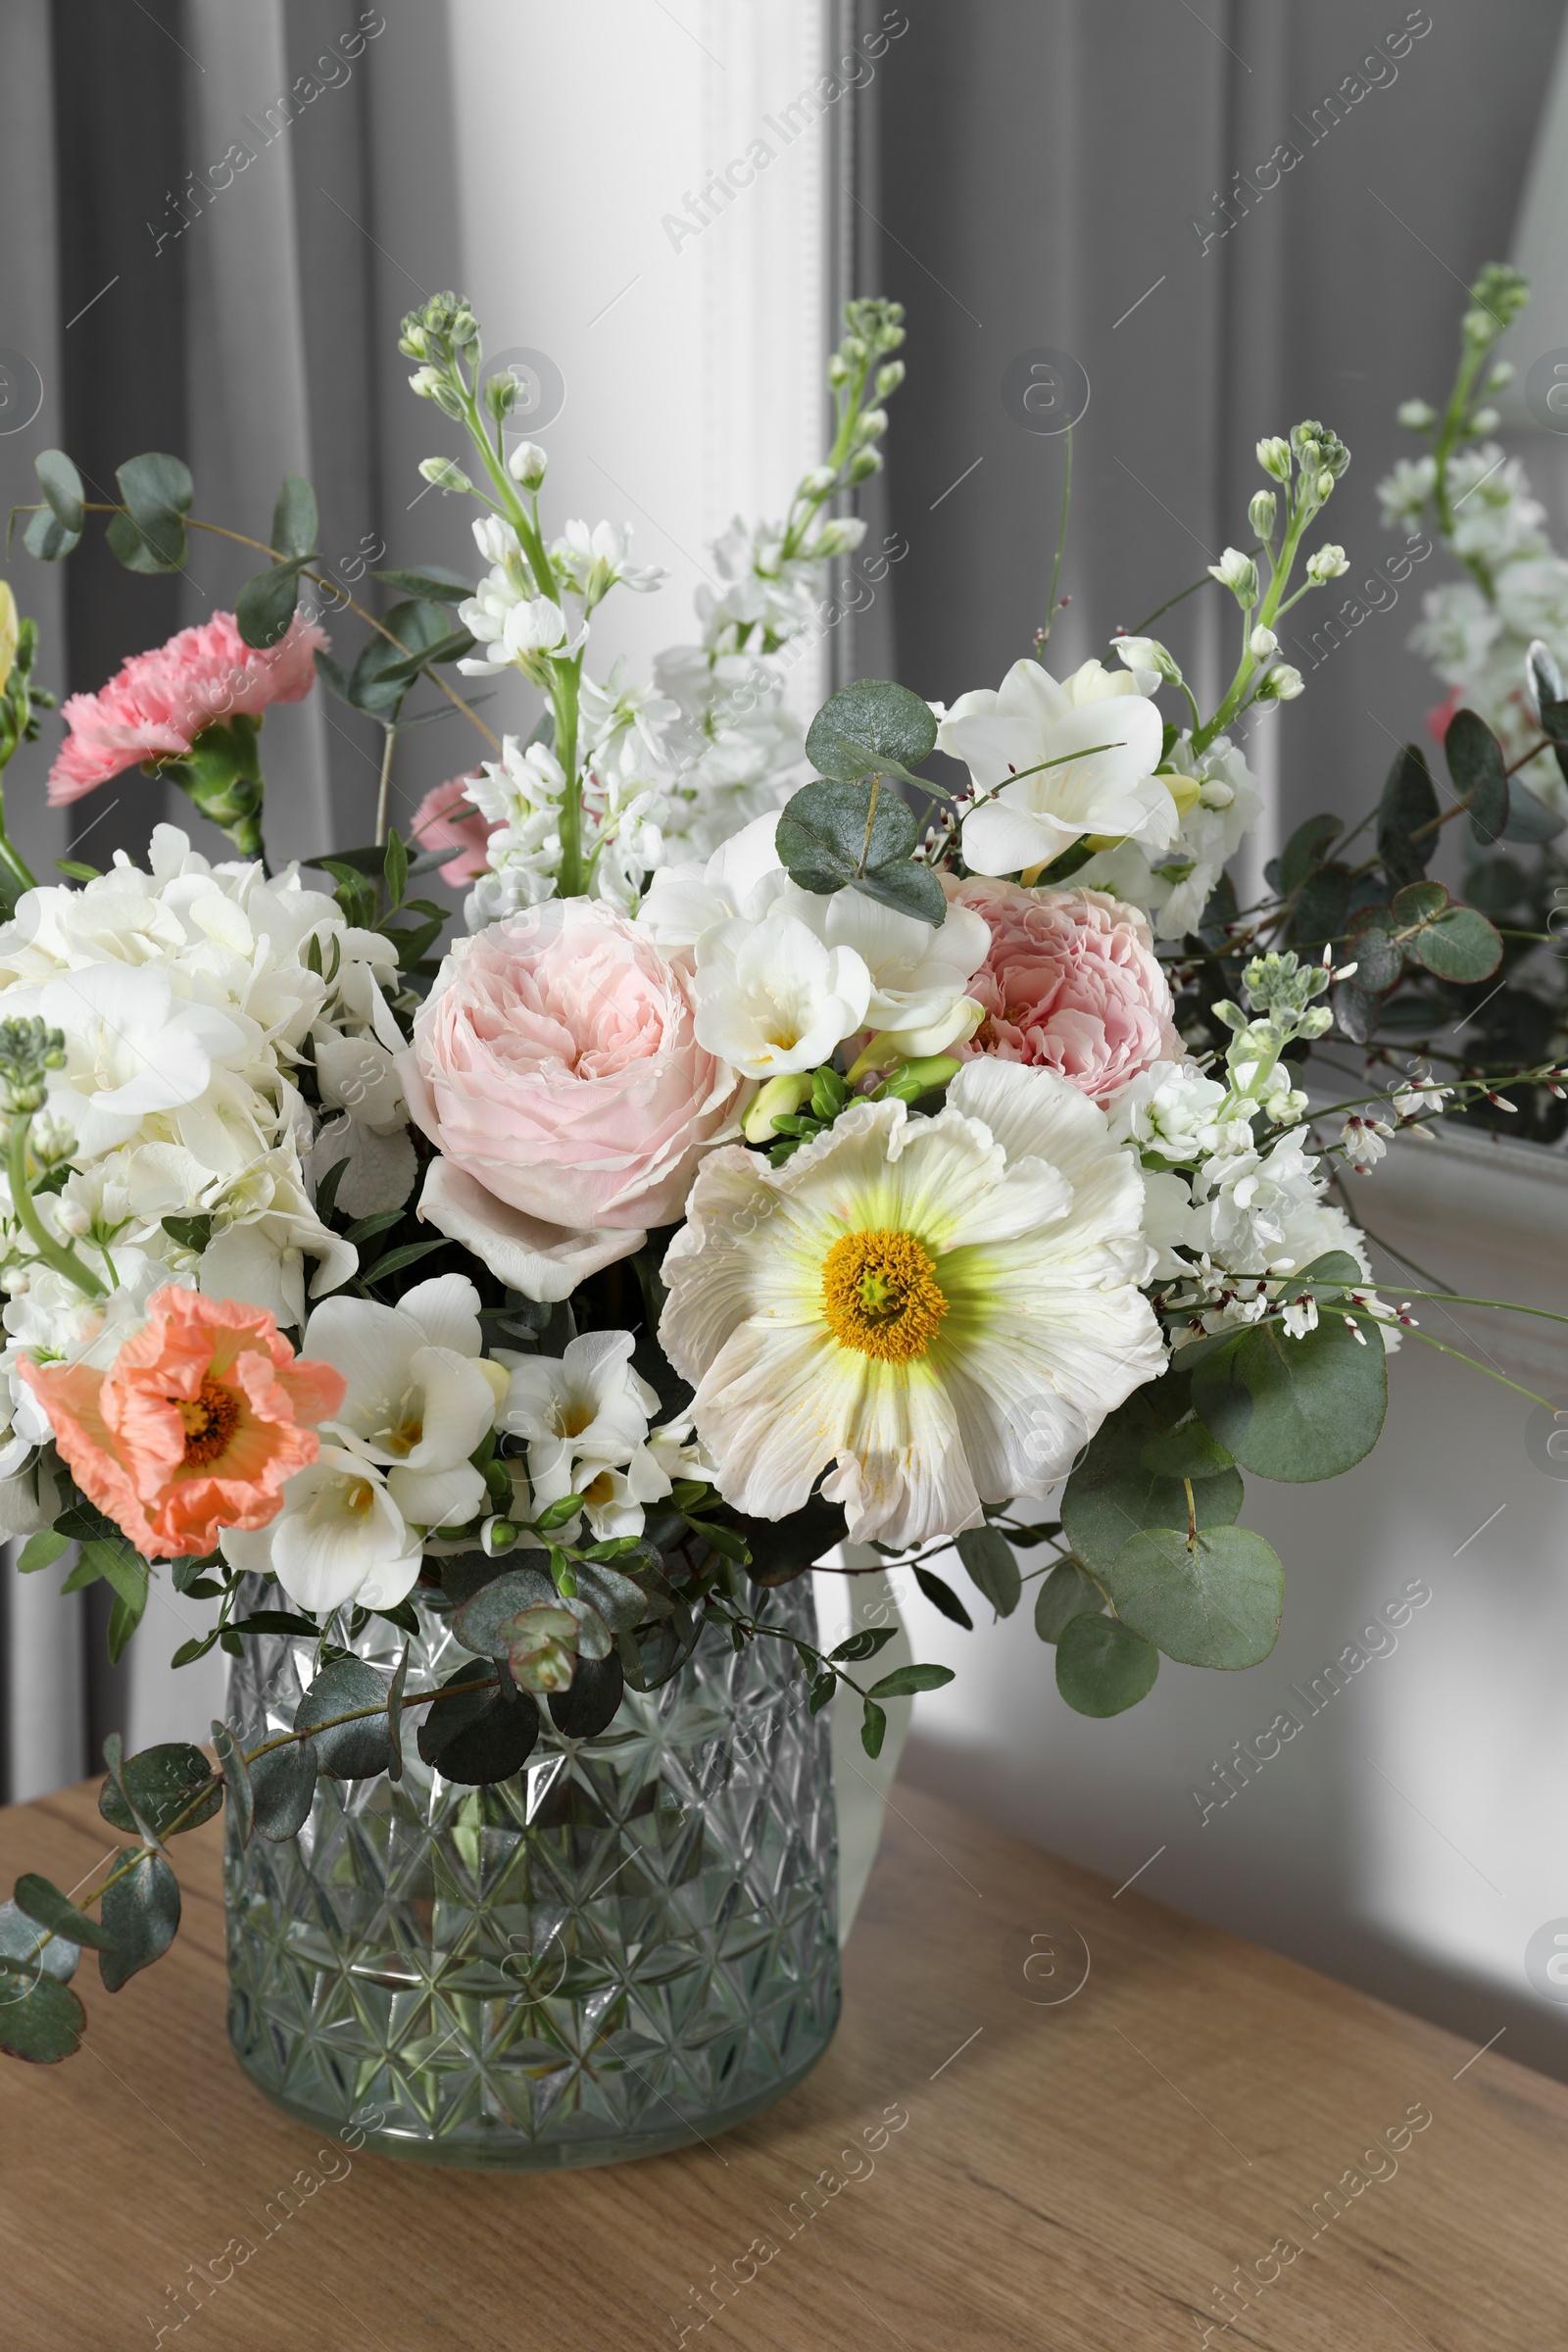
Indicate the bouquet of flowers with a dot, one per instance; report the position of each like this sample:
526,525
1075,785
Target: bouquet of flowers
792,1151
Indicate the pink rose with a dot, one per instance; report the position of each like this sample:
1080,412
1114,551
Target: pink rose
555,1067
446,819
1071,984
158,703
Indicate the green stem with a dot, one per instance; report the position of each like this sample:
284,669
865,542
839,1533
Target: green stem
58,1255
384,787
1043,636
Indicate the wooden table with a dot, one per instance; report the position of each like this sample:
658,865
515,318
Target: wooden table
998,2151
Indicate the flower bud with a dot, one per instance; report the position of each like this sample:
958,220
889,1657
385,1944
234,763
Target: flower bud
1485,420
1274,455
1238,574
780,1099
1282,684
444,474
863,464
1416,415
1262,644
500,394
1329,562
820,481
1502,374
870,426
838,369
424,382
889,379
527,465
1260,514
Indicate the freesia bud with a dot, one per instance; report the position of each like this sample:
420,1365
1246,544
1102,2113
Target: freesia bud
780,1099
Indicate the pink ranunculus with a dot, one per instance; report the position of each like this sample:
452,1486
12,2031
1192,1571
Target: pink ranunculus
204,1414
446,820
1071,985
555,1065
155,707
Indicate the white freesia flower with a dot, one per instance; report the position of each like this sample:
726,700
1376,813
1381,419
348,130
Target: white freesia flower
772,998
419,1399
1053,762
338,1538
585,1417
939,1312
684,901
1175,883
919,970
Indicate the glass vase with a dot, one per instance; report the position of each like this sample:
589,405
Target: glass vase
629,1945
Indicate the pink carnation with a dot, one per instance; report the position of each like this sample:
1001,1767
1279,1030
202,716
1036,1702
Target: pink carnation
1071,984
446,820
555,1067
155,707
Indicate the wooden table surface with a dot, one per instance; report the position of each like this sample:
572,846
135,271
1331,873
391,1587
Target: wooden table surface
998,2151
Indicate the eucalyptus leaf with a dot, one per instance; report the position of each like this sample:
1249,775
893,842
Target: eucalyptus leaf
871,727
238,1780
283,1786
1065,1594
61,486
1407,809
346,1751
41,2020
1304,850
44,1902
266,604
838,836
141,1912
1460,944
28,1949
158,491
47,538
159,1784
294,518
593,1703
476,1736
1528,818
1212,1600
1476,765
1297,1409
1102,1667
1112,1492
1186,1452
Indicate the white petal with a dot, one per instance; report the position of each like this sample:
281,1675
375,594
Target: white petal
447,1311
545,1262
437,1498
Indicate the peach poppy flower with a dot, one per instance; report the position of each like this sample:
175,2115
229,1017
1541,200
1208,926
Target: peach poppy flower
203,1415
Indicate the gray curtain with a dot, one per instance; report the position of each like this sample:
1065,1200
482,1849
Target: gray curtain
1063,175
244,319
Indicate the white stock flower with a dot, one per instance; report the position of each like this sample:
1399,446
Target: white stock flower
1174,883
771,997
584,1415
1173,1111
1056,762
590,563
1263,1212
1329,562
419,1398
132,1048
939,1312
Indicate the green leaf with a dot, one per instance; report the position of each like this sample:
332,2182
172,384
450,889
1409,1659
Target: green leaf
905,1680
395,869
125,542
294,520
1409,804
872,727
276,1621
60,485
1356,1010
988,1557
156,491
1476,765
394,1711
1304,850
39,1549
190,1652
1461,944
865,1645
47,538
838,836
593,1703
159,1783
346,1751
283,1785
1186,1452
191,1233
477,1736
1112,1492
26,1951
1297,1410
430,584
1215,1601
241,1796
1066,1593
942,1597
1530,818
42,2024
1102,1667
266,604
43,1901
1419,902
396,1260
1322,905
873,1727
141,1912
1377,955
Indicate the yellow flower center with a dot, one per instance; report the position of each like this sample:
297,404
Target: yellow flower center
210,1419
880,1295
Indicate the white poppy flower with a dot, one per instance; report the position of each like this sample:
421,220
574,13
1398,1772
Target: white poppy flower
1056,762
939,1312
339,1538
772,998
415,1407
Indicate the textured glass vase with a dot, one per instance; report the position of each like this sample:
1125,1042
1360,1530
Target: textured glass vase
629,1945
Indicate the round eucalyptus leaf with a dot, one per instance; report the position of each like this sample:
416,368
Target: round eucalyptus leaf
1209,1599
1102,1667
1300,1409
